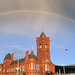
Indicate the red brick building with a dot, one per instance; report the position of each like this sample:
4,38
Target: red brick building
30,64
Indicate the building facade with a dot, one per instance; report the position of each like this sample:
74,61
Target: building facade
69,70
30,64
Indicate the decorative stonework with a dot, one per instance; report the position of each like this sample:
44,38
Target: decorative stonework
30,64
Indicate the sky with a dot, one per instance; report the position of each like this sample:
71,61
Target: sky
21,21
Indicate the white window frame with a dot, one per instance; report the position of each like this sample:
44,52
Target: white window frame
46,67
31,66
37,67
23,67
34,66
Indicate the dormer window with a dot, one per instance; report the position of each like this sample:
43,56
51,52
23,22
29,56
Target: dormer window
45,46
40,46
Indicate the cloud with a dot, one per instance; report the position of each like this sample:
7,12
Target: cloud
27,24
62,7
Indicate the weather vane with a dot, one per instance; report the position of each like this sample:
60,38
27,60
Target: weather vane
42,28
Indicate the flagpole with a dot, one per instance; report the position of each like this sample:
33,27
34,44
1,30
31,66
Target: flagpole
63,63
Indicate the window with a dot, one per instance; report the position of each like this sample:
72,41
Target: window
3,70
20,68
45,46
47,60
31,73
14,69
53,69
37,73
11,69
34,66
7,70
46,67
34,73
37,67
23,68
0,69
49,67
31,66
40,46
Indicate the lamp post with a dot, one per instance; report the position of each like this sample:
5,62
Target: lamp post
18,63
63,63
18,68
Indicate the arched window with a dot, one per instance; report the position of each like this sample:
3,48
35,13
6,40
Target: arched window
31,66
46,67
40,46
47,60
45,46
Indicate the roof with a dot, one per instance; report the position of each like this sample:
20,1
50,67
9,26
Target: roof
33,56
68,69
15,62
23,59
42,34
8,56
70,65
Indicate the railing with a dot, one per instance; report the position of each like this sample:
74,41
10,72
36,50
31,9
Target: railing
66,74
26,74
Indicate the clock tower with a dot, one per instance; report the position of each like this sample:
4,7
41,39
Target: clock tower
43,47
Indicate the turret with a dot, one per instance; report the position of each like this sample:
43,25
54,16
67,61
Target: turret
8,59
43,47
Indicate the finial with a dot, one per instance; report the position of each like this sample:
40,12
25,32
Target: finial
32,48
42,28
7,52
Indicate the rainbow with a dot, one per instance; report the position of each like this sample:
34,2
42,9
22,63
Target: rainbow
37,11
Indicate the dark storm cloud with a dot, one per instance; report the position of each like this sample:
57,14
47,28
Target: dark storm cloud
68,8
27,24
62,7
21,23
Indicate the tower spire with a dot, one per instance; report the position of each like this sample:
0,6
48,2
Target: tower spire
32,48
42,28
42,32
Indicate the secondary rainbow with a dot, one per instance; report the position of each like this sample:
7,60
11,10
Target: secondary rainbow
37,11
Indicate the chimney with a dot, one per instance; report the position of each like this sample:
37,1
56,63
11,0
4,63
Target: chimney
27,55
12,56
